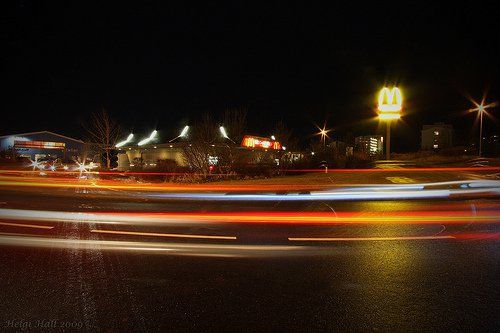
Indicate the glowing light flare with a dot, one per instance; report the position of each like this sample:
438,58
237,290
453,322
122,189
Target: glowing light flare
184,132
151,137
389,116
390,100
36,165
323,133
124,142
481,108
223,132
82,168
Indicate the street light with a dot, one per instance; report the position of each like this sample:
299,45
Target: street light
148,139
481,109
183,134
323,132
124,142
390,104
224,133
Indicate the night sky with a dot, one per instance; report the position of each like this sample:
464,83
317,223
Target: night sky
157,64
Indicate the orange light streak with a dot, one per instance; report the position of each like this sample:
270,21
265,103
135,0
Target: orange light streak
26,225
291,218
361,239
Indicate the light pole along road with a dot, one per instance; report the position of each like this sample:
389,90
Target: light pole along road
481,109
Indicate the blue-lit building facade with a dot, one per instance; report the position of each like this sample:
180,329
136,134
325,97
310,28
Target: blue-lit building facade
43,144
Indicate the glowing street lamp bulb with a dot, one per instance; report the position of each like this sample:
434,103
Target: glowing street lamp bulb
147,140
36,165
123,143
273,137
323,132
184,132
223,132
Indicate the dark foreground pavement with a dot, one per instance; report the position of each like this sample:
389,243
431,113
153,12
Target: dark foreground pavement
373,286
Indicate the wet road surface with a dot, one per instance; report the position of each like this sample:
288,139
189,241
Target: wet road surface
432,265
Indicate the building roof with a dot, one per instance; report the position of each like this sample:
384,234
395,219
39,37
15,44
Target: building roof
42,132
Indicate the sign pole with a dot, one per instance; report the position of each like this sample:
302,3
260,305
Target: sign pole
388,141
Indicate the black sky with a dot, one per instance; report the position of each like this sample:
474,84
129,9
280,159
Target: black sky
162,64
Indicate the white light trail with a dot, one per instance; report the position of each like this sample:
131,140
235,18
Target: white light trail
183,249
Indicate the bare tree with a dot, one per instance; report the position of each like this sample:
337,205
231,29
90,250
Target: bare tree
235,119
103,133
197,153
285,135
205,131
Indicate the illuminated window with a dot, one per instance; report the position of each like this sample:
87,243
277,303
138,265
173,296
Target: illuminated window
436,132
435,146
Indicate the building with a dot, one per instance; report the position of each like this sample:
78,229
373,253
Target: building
372,145
45,144
154,153
437,136
148,155
491,146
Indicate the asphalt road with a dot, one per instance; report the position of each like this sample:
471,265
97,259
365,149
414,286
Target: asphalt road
431,272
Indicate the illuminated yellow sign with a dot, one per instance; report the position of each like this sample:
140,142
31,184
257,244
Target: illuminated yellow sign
390,103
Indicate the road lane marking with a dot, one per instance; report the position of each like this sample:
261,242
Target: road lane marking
400,180
136,233
26,225
342,239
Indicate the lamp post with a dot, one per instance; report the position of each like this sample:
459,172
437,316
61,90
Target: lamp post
390,104
323,133
481,109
